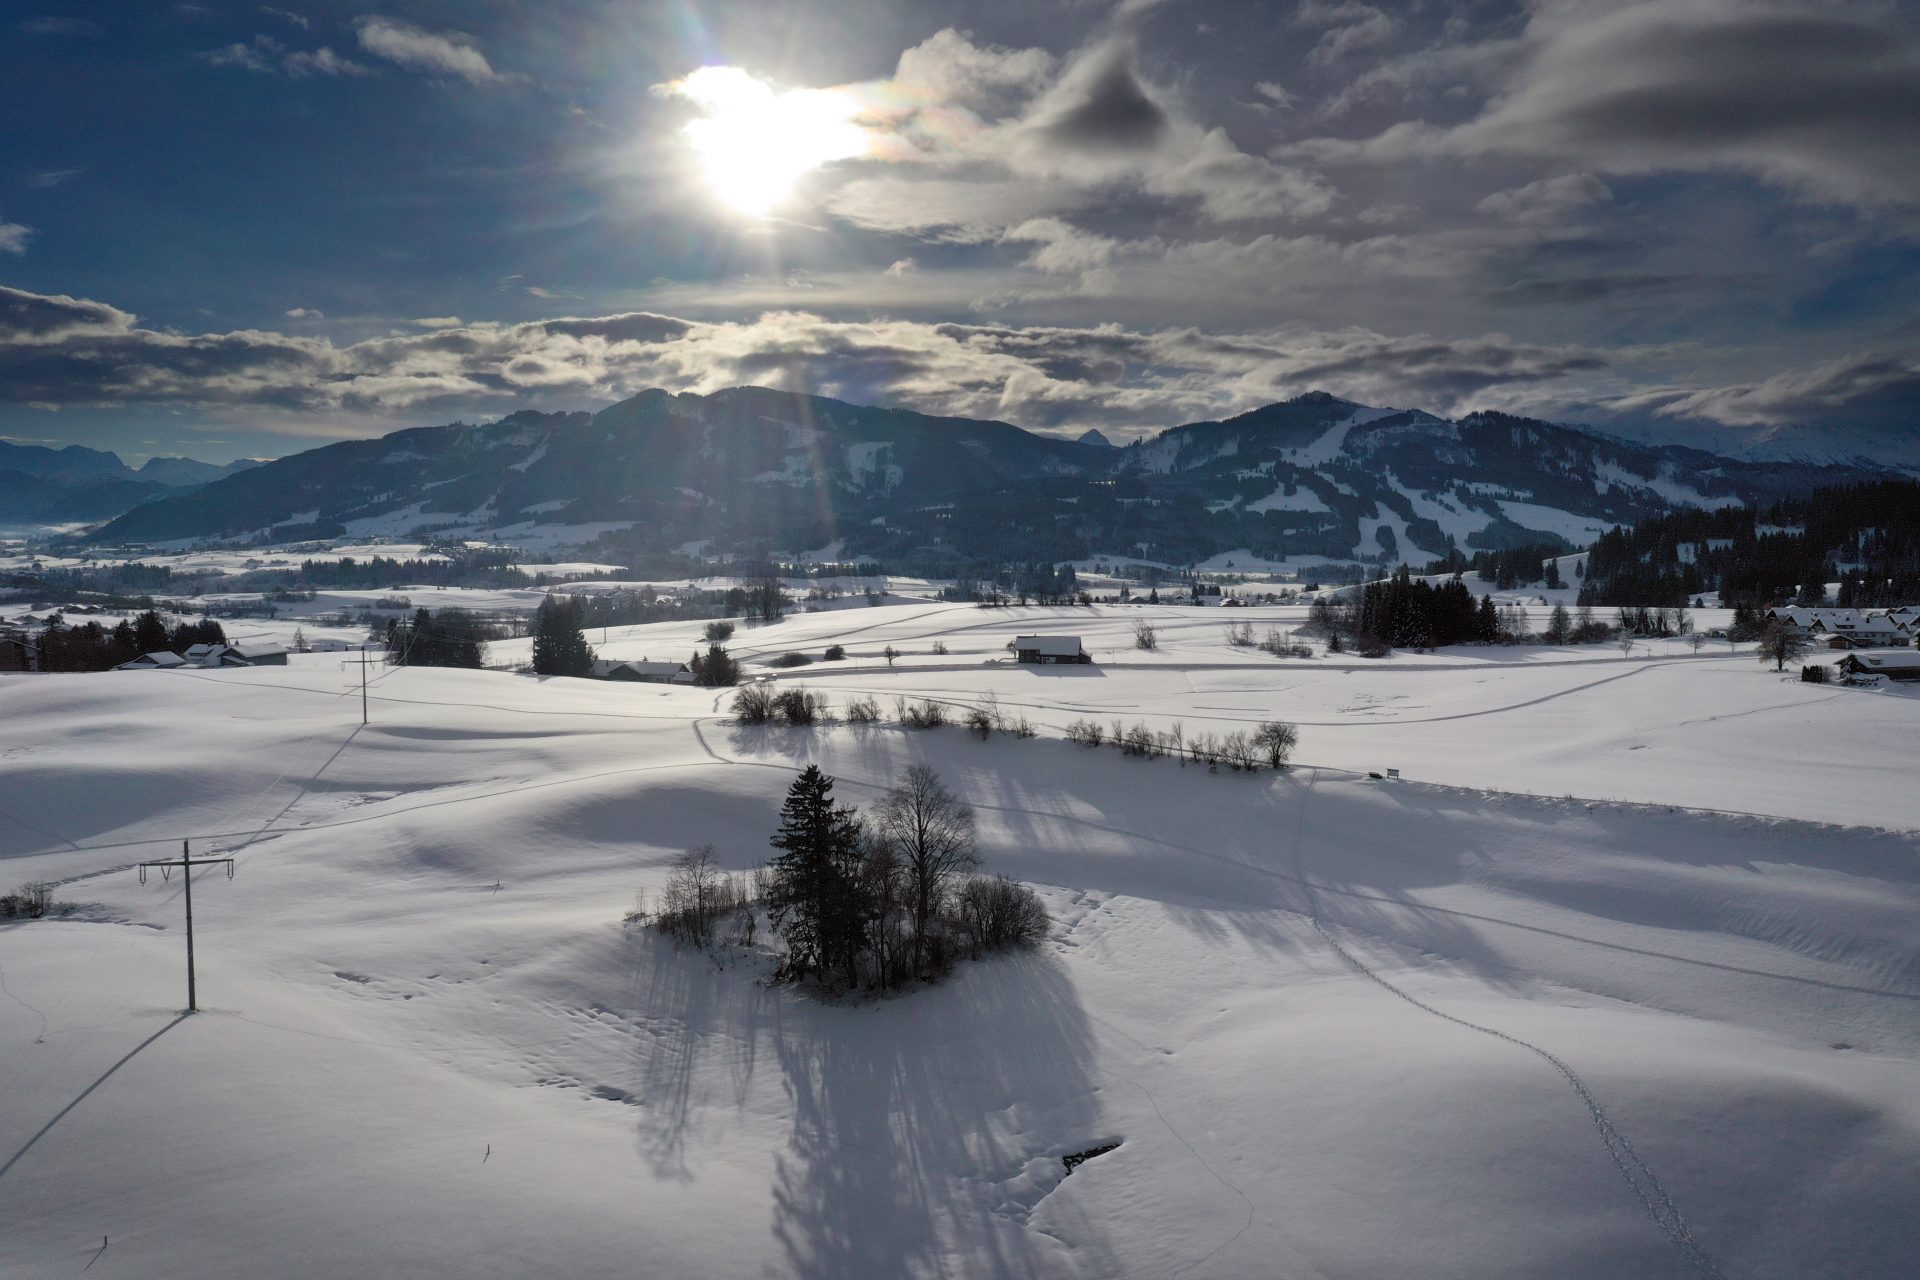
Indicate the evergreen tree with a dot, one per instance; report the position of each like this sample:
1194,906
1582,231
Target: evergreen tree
1486,627
149,633
813,899
559,645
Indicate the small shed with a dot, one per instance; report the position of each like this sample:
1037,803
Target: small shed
1899,664
1049,649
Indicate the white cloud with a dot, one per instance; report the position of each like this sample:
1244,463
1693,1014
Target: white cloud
267,55
444,53
61,350
13,237
1548,200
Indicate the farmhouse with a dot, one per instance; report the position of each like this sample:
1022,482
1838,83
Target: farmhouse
160,661
1049,649
1898,665
1846,626
261,655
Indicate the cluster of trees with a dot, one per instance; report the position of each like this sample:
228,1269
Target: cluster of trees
887,897
1408,614
1026,582
449,638
92,647
1405,613
878,899
1508,567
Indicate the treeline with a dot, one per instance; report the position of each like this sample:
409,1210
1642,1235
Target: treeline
467,567
874,900
1028,582
1865,537
92,647
448,638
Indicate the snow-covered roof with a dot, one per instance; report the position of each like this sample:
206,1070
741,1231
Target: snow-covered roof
1839,619
1895,660
1049,646
153,661
254,652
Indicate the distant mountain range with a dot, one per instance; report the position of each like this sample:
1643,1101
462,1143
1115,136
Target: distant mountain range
755,470
76,484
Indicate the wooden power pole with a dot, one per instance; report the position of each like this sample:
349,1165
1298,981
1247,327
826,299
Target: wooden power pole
187,863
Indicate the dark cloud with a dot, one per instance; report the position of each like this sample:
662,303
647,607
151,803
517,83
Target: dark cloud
1821,98
633,326
1578,290
1101,106
30,317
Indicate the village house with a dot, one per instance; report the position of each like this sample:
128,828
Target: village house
160,661
1897,665
1846,628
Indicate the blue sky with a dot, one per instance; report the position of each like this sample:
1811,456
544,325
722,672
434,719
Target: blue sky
233,229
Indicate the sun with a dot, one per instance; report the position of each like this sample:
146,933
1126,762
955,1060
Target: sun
754,142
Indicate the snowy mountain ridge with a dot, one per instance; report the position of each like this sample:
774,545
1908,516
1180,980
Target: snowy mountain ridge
756,469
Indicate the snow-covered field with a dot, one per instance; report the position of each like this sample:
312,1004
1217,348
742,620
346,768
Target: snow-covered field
1339,1026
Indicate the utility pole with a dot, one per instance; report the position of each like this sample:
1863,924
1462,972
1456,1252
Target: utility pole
187,863
363,684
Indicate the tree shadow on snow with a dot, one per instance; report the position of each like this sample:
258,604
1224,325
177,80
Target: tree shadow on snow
924,1127
915,1123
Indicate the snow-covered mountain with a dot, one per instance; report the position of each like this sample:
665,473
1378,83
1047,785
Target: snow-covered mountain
39,485
754,470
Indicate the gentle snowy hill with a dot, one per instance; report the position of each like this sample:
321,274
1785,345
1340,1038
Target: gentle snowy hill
1337,1026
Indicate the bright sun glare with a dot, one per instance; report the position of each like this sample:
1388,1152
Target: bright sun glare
754,143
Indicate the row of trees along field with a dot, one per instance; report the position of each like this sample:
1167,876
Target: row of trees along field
92,647
1760,556
878,899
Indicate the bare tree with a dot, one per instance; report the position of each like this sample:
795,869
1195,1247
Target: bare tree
1780,643
1144,635
930,832
1277,738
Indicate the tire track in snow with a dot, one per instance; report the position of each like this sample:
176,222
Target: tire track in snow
1638,1175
